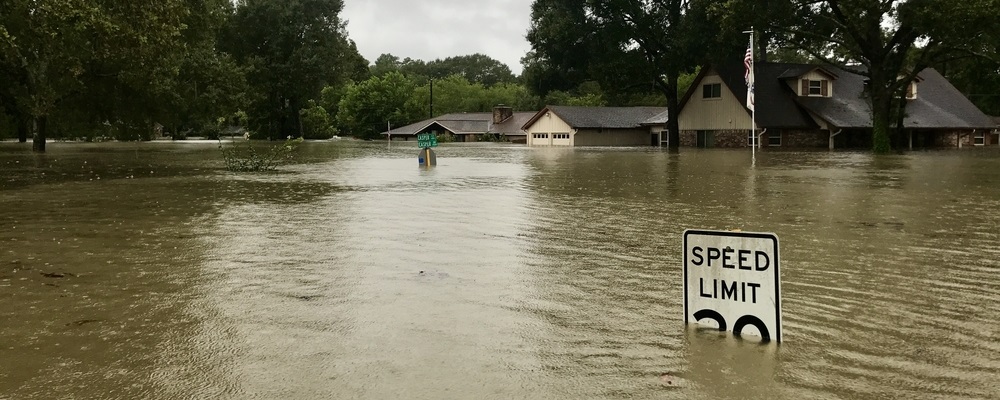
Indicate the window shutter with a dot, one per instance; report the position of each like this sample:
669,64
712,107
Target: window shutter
824,88
909,91
805,88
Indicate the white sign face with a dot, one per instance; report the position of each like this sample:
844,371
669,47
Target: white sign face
732,278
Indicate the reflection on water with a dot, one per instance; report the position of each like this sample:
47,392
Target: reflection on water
145,271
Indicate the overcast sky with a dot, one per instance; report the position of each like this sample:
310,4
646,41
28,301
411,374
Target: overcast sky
430,29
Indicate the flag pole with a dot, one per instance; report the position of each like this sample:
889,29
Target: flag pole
748,60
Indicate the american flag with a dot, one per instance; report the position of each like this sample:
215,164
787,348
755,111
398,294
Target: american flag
748,75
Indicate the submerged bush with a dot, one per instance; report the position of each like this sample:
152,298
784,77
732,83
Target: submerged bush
245,156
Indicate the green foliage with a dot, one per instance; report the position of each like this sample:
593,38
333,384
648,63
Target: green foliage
445,138
247,156
561,98
366,107
684,81
292,49
57,52
316,122
475,68
627,47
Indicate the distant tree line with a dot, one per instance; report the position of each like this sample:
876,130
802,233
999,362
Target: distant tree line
89,69
126,70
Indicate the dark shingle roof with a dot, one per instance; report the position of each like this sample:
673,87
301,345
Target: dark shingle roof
658,119
776,107
467,123
938,104
512,126
600,117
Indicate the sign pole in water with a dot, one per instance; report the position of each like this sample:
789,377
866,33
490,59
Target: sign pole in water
732,278
426,156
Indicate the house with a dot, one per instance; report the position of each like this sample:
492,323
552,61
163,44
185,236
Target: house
995,138
469,127
804,105
596,126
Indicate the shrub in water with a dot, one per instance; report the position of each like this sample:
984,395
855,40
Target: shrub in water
245,156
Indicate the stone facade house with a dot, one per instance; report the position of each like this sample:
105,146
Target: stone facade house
814,106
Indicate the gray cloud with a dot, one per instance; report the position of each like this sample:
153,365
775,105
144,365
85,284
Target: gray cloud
431,29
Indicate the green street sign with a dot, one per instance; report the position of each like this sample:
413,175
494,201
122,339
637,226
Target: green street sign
427,140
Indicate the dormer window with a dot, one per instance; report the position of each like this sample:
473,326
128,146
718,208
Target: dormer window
815,87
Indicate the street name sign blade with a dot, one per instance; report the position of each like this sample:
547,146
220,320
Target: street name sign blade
425,140
733,279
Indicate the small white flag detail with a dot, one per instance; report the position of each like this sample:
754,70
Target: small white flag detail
748,63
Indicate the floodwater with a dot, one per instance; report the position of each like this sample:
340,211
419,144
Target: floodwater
147,271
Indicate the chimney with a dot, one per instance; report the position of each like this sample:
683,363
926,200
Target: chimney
501,113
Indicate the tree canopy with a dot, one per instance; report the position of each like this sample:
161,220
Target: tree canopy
626,46
292,50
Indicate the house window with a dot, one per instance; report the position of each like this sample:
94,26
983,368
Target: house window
811,87
815,88
711,91
560,136
774,139
540,135
979,139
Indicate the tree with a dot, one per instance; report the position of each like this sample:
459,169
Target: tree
384,64
316,122
210,84
623,44
292,49
476,68
368,106
49,49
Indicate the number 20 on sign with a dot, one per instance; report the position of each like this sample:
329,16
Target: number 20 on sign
732,279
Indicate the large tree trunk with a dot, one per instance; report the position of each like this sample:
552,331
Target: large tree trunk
22,129
674,141
881,110
38,142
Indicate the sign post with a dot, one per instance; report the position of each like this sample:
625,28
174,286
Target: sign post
732,278
425,141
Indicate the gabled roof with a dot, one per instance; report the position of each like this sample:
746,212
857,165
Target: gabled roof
599,117
794,71
938,104
776,107
512,126
467,123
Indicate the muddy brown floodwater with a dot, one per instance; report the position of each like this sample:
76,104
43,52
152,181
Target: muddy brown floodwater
147,271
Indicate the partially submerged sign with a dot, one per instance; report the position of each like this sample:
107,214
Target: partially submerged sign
732,278
427,158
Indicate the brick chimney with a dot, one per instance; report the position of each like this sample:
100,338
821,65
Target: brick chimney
501,113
